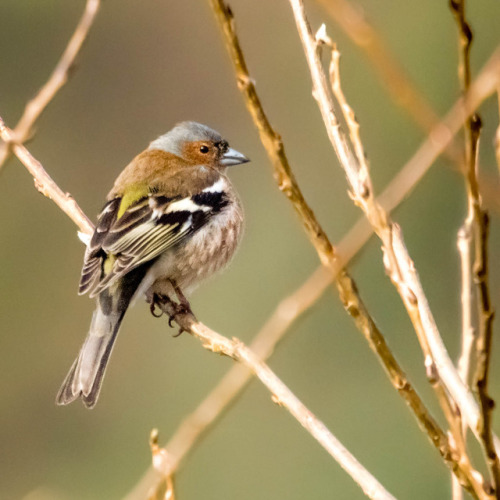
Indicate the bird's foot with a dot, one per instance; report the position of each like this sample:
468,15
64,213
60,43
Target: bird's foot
159,300
180,308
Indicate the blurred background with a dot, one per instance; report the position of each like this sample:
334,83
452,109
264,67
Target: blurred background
145,66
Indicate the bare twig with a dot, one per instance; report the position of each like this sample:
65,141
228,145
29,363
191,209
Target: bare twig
465,236
202,419
484,343
354,24
463,365
476,225
405,277
327,253
58,78
270,139
165,490
468,331
497,134
282,396
352,20
45,184
447,405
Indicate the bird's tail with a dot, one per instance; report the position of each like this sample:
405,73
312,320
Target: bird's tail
85,376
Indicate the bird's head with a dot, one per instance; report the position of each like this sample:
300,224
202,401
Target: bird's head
198,144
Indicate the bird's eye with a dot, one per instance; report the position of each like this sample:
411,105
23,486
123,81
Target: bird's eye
204,149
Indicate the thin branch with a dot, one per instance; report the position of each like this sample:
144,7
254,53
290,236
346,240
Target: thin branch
448,406
497,134
282,396
196,425
477,225
346,287
397,260
352,20
23,130
354,24
484,342
165,490
269,137
45,184
468,331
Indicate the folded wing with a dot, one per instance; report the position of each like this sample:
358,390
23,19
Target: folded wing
146,229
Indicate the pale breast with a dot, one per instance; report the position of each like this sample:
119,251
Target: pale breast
211,248
205,253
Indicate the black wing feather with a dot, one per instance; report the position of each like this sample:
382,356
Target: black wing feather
144,231
94,255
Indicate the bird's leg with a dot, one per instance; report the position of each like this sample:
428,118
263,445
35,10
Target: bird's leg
183,302
183,307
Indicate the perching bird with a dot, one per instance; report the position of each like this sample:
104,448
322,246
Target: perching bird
172,219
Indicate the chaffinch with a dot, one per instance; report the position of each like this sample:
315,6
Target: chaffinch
172,219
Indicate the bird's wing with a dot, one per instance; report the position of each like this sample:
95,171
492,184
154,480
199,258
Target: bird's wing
94,254
147,228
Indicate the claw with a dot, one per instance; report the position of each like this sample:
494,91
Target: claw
152,308
181,330
182,308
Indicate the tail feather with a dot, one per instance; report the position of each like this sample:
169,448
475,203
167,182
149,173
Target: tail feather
85,376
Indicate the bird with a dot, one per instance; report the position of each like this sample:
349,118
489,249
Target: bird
171,220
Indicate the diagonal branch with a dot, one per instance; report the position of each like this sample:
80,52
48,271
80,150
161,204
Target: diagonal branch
478,226
346,287
58,78
196,425
354,24
282,396
397,260
45,184
351,19
269,137
404,279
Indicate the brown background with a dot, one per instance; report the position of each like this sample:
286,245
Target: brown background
146,66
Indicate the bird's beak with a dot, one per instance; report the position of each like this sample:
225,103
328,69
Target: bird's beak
232,157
